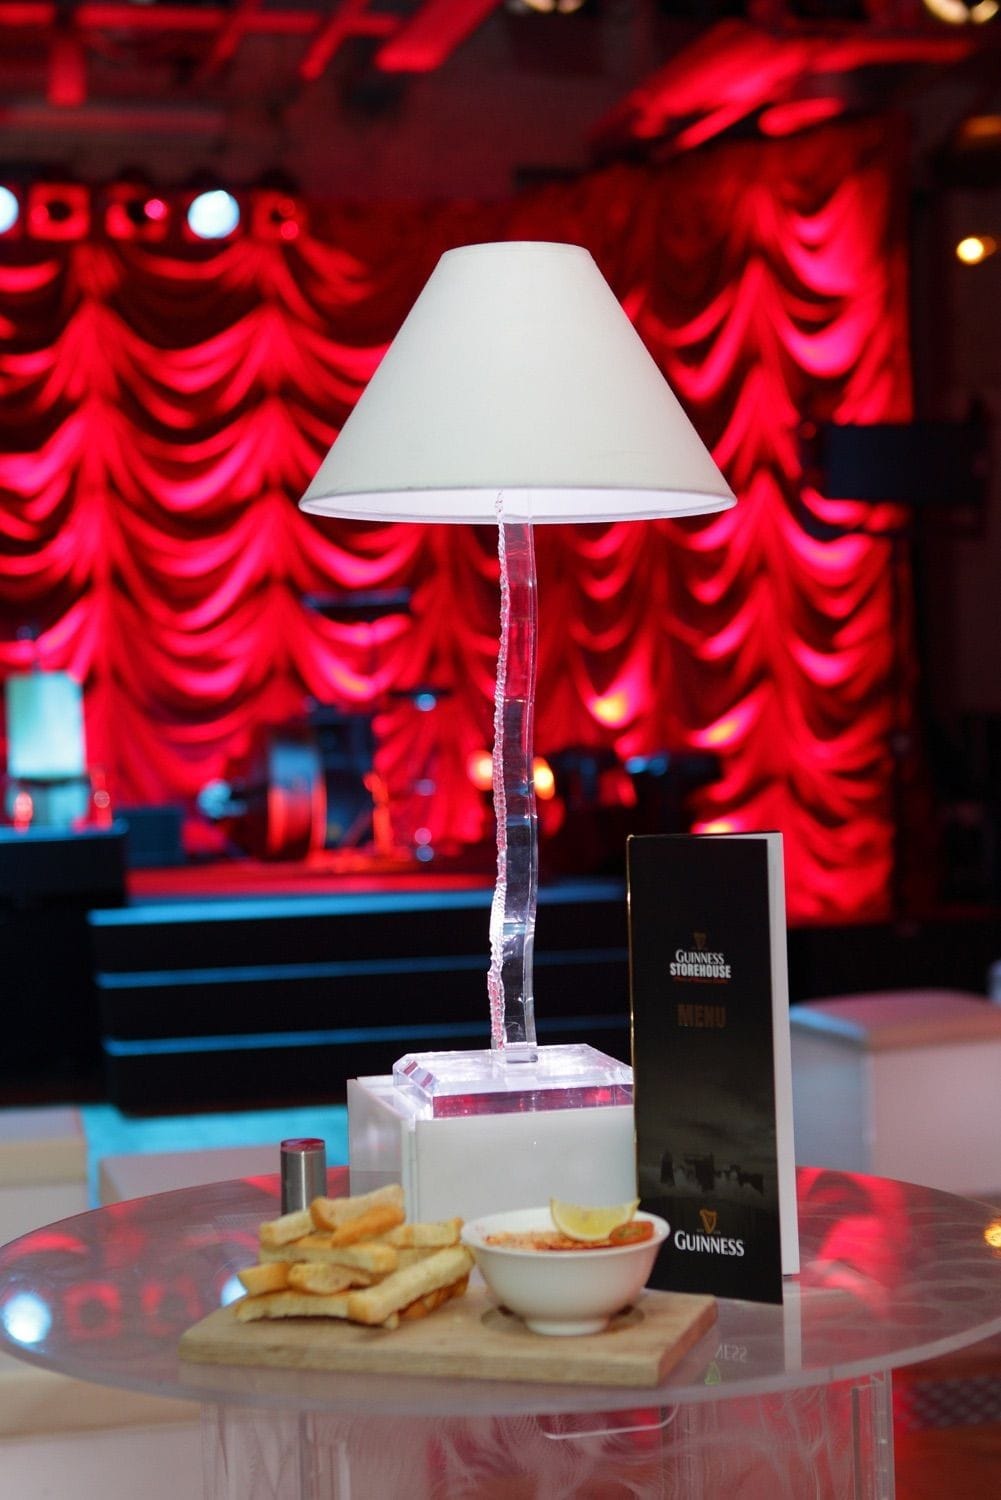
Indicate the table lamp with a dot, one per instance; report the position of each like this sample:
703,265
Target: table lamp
46,749
517,393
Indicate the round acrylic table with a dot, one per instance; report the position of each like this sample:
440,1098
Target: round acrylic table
774,1403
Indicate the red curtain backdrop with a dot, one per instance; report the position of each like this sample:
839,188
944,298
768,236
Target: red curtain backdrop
163,406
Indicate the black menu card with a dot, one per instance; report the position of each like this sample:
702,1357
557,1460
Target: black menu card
712,1084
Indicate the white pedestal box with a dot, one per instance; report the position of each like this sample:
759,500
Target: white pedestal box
477,1164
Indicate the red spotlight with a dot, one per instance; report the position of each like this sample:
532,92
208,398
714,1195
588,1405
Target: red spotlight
135,213
58,211
277,216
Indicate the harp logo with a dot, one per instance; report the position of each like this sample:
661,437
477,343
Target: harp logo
697,962
709,1218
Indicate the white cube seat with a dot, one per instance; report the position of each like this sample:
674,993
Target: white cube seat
903,1084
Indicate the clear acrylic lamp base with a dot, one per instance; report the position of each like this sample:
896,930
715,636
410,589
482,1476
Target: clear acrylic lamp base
468,1133
499,1082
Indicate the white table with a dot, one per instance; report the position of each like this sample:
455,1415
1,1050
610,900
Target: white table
776,1403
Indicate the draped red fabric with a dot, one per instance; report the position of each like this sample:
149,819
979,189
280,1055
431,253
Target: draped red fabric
162,407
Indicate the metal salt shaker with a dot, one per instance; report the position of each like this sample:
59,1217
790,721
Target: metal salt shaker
304,1172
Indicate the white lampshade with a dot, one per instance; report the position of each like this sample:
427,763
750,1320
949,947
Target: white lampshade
517,372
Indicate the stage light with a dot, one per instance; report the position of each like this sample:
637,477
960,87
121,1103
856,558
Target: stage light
58,211
136,213
979,130
277,216
213,215
480,770
962,13
423,845
975,248
10,210
545,781
612,709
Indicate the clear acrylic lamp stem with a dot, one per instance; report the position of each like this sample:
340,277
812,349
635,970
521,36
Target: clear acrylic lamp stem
512,918
515,1074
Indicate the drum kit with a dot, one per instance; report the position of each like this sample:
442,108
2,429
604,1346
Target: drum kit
312,784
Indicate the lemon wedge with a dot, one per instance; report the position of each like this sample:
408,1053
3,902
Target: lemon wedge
590,1224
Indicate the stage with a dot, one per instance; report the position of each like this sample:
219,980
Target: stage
239,983
235,994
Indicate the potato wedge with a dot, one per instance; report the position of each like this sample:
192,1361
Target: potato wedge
372,1256
290,1304
367,1226
434,1233
431,1301
323,1280
329,1213
264,1278
287,1227
378,1303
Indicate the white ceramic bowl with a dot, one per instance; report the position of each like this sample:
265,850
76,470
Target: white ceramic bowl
561,1291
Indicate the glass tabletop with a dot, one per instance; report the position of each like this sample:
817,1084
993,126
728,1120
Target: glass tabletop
891,1274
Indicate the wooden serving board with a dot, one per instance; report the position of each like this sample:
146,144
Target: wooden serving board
468,1338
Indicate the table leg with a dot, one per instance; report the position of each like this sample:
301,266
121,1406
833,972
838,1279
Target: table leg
815,1443
830,1442
249,1454
258,1454
873,1438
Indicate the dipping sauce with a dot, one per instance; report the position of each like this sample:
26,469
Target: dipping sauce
552,1239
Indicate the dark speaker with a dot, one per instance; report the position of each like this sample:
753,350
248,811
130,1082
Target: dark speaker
921,464
49,881
153,837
